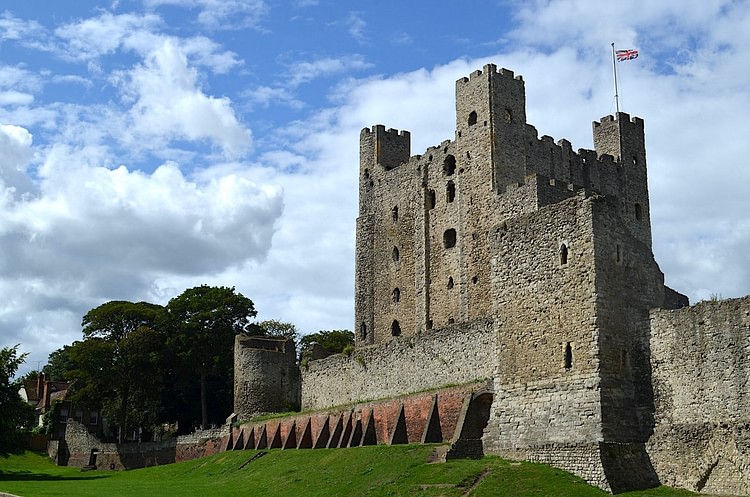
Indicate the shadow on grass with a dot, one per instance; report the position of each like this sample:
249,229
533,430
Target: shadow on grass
28,476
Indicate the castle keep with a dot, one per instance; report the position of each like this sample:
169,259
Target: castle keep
522,269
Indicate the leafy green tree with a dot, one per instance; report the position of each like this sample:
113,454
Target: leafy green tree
117,365
58,364
14,412
274,328
201,324
114,320
333,341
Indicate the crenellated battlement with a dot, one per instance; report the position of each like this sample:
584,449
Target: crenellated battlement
635,121
490,69
379,130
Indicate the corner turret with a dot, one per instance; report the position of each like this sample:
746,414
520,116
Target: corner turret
623,138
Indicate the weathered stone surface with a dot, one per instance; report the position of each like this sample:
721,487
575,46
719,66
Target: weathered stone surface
458,354
701,375
266,376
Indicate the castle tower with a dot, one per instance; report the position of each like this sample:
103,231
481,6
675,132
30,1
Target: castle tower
490,124
385,296
266,377
623,138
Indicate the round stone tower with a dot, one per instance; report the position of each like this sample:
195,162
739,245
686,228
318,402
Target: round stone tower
266,376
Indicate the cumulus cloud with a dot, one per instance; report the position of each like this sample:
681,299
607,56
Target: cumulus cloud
168,104
87,233
15,142
92,38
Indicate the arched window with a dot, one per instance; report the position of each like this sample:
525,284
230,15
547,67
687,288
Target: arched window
450,282
472,118
568,356
395,328
449,165
563,254
638,212
396,295
450,192
396,255
394,213
449,238
363,330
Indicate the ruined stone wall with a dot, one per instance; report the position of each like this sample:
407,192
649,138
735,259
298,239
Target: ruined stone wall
266,378
453,355
700,358
76,449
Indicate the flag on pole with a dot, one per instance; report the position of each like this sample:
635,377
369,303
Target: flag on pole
628,54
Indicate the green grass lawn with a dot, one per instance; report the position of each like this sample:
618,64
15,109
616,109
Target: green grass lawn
363,471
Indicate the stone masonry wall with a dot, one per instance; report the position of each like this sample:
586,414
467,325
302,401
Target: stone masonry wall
453,355
700,358
266,377
547,385
76,449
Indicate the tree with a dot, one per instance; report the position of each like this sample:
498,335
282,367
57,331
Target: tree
333,341
114,320
273,328
58,364
116,366
14,412
201,324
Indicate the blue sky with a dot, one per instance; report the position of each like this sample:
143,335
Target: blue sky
151,146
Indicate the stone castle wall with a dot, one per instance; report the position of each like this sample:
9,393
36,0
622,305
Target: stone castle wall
454,355
700,358
78,445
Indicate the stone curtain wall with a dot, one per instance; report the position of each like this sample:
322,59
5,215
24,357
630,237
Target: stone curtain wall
700,360
453,355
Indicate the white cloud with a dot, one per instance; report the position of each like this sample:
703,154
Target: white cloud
221,14
88,234
15,98
93,38
356,26
97,36
305,71
264,96
13,28
15,142
168,105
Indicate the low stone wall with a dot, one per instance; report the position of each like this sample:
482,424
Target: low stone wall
77,447
700,359
454,355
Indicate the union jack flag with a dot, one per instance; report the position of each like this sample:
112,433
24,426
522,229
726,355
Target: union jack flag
629,54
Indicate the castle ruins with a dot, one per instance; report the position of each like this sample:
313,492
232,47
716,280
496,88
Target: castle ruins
517,272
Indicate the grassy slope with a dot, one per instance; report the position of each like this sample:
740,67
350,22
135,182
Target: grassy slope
366,471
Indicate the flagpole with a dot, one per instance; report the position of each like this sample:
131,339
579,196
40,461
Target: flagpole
614,71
